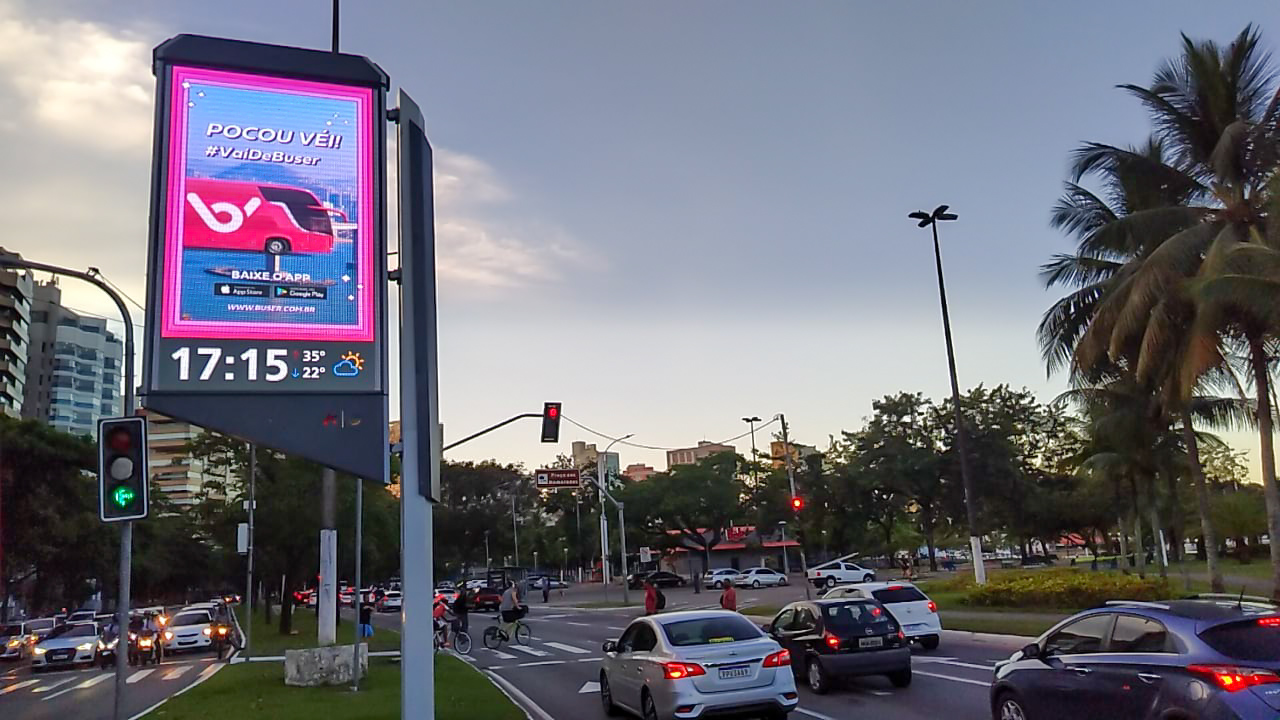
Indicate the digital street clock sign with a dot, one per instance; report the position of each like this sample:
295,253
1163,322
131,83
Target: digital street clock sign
266,278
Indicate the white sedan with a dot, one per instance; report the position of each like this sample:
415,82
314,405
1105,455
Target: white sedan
189,630
759,577
719,577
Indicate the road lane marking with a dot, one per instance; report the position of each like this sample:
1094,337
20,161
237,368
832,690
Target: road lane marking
589,687
544,662
86,684
811,713
176,673
501,655
514,695
139,675
18,686
979,683
578,624
567,648
881,693
552,617
207,672
528,650
590,660
957,663
615,627
47,688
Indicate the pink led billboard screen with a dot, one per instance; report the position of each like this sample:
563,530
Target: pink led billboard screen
269,209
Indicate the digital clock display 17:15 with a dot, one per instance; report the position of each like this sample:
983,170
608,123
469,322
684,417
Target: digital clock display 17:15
233,366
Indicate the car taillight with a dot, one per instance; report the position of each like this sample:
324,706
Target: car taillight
1233,678
1269,621
782,658
875,611
894,587
832,641
675,670
933,606
902,635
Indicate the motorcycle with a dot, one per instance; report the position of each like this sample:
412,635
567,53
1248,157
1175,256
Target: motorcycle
144,647
221,635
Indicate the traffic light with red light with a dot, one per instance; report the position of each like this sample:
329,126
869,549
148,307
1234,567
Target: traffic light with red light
797,503
551,422
122,469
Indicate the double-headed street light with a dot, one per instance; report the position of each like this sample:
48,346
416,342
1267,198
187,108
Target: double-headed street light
931,220
604,523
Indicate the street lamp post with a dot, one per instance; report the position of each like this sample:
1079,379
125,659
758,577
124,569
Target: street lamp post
752,420
488,562
931,220
786,564
604,524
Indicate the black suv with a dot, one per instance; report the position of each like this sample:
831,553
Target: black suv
831,639
1209,657
661,578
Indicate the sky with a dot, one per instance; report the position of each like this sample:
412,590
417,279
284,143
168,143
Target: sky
665,215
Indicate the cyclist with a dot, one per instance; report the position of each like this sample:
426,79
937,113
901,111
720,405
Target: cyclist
509,608
439,612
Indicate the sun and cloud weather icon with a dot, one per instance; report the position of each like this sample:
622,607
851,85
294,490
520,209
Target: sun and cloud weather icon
349,366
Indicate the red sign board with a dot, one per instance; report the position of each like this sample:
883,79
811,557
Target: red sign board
736,533
557,478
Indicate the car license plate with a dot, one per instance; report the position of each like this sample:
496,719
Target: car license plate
737,671
870,642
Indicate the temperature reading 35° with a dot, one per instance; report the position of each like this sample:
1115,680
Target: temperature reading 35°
309,356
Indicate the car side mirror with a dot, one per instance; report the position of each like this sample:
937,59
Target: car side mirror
610,646
1031,652
768,628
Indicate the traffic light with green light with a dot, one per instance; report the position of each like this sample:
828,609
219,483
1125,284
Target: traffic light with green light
122,469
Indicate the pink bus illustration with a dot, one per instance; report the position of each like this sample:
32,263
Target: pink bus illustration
255,217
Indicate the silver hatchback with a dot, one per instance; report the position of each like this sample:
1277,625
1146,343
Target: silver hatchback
696,663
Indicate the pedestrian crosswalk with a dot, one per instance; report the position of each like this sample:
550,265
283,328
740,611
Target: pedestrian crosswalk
537,653
55,685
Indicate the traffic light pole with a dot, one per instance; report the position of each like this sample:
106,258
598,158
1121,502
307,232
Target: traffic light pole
791,478
490,429
126,528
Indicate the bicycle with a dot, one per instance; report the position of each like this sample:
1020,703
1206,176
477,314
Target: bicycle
461,640
494,635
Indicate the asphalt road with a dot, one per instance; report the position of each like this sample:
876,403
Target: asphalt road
557,674
89,694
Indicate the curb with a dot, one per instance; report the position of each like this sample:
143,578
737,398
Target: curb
517,698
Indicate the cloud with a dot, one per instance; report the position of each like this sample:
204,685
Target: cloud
88,84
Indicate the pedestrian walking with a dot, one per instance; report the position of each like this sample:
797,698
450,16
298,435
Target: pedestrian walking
366,620
546,588
729,598
650,598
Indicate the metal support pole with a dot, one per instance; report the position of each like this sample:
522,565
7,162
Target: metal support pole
791,479
327,597
622,542
355,646
966,475
335,25
515,530
786,562
248,580
604,523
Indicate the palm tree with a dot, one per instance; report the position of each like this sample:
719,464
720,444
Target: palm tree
1207,178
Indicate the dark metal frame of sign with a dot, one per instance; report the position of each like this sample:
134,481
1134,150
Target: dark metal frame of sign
266,262
557,478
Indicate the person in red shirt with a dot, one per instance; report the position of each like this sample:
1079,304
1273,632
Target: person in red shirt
729,598
650,598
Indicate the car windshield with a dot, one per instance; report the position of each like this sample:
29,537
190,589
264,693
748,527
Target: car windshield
40,625
891,595
1247,640
79,631
710,631
195,618
10,630
848,618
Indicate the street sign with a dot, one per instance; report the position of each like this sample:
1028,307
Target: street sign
266,284
242,538
560,478
646,555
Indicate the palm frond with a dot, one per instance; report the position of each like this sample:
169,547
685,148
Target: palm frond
1063,324
1078,270
1079,212
1224,413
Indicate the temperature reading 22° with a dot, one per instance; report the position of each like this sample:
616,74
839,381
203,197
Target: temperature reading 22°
311,373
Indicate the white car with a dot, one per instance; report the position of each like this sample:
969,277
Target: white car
719,577
914,611
448,593
82,616
391,602
69,645
696,663
839,572
189,630
759,577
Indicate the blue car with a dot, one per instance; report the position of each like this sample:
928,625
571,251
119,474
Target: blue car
1206,658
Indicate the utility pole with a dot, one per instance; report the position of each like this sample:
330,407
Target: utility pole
966,476
248,580
327,597
791,478
752,420
515,531
603,484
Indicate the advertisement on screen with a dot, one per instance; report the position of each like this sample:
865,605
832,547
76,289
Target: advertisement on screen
269,216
